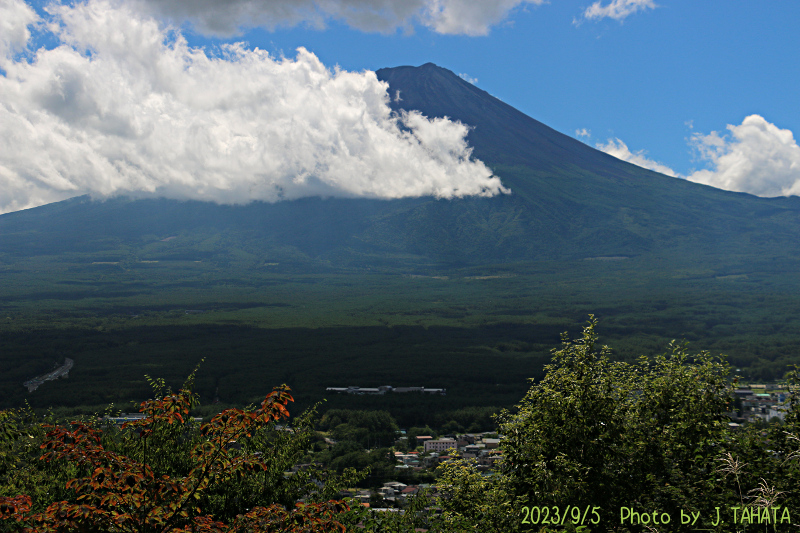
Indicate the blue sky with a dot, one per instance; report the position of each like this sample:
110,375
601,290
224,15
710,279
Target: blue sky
701,90
641,79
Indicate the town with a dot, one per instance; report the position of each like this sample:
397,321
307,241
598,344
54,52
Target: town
760,403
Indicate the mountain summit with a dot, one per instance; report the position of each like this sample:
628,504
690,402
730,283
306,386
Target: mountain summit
501,134
568,202
585,201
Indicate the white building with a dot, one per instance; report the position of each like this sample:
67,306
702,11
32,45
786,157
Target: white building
440,445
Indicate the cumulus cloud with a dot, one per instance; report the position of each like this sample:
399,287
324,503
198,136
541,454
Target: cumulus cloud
617,9
15,17
124,106
467,17
468,78
583,132
620,150
755,157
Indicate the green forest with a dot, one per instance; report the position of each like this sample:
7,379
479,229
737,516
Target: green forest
595,445
479,332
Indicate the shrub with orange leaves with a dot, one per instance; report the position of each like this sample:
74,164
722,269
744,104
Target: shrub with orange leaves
160,474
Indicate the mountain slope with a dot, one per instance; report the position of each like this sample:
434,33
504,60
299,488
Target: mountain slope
569,201
589,202
500,134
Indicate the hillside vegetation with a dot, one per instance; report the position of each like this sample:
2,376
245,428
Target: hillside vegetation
594,446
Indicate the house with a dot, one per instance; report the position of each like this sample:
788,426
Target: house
387,493
465,440
422,439
474,449
410,490
491,444
408,459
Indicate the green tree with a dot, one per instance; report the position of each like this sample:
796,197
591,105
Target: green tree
415,432
602,435
677,431
471,501
762,462
371,429
566,443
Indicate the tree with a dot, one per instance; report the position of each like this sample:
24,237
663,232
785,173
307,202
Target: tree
592,435
602,435
471,501
371,429
762,462
678,431
565,444
173,474
21,472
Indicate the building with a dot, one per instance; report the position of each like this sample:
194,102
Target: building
440,445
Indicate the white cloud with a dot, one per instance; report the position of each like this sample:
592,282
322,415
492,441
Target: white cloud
228,18
583,132
468,78
468,17
617,9
15,17
620,150
757,157
124,106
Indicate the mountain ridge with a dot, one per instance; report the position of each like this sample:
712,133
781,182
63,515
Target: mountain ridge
569,201
429,85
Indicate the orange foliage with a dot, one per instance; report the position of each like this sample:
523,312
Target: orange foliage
122,495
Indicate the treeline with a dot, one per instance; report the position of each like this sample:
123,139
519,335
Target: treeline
381,425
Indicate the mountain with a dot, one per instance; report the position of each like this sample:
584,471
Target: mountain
583,201
468,294
500,133
569,201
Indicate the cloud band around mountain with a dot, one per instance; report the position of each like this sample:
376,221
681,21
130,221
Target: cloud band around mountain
124,106
620,150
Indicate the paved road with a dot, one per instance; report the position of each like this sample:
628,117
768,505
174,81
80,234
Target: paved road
62,371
